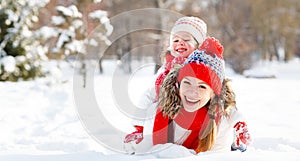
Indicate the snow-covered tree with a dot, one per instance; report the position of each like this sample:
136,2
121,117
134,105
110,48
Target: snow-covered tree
21,53
72,37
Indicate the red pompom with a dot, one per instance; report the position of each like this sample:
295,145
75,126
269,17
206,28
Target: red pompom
213,46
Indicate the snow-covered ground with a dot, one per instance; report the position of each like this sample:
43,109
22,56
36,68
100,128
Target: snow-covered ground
39,119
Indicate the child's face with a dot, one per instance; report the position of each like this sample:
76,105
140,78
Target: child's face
183,44
194,93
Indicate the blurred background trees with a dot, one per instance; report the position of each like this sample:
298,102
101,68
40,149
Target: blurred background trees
250,30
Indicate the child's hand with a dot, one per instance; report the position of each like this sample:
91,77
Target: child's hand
242,137
178,60
136,136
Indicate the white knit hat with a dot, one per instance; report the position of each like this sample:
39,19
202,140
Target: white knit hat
193,25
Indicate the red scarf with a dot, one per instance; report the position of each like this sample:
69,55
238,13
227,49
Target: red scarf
195,121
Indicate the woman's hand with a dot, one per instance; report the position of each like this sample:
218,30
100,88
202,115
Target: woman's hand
136,136
242,137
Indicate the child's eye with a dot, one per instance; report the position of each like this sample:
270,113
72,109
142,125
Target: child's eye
187,40
175,40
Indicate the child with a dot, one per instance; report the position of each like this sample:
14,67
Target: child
197,106
187,34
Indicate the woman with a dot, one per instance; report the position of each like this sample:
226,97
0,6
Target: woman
187,35
197,106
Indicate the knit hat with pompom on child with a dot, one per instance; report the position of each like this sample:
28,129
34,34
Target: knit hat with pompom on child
206,64
192,25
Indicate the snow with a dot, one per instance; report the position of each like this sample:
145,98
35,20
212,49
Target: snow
57,20
63,38
70,11
97,1
46,32
76,46
21,16
77,24
39,119
102,17
9,63
12,17
98,14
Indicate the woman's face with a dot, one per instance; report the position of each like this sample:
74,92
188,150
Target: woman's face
182,44
194,93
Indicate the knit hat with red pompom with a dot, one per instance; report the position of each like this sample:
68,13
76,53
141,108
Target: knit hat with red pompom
206,64
193,25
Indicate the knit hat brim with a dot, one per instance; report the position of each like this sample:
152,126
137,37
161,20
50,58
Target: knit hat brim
202,72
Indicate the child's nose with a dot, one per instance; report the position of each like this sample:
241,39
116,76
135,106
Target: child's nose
181,42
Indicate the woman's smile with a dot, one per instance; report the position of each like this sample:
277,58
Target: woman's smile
194,93
191,100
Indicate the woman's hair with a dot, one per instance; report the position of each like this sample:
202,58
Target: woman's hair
170,101
169,98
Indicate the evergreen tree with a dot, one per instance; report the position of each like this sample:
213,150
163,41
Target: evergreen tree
21,53
72,35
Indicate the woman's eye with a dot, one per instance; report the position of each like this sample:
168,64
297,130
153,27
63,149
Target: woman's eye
186,82
202,87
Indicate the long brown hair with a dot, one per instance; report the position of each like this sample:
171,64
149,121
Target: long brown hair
170,101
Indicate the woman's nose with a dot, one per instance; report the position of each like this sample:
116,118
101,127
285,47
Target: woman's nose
194,90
